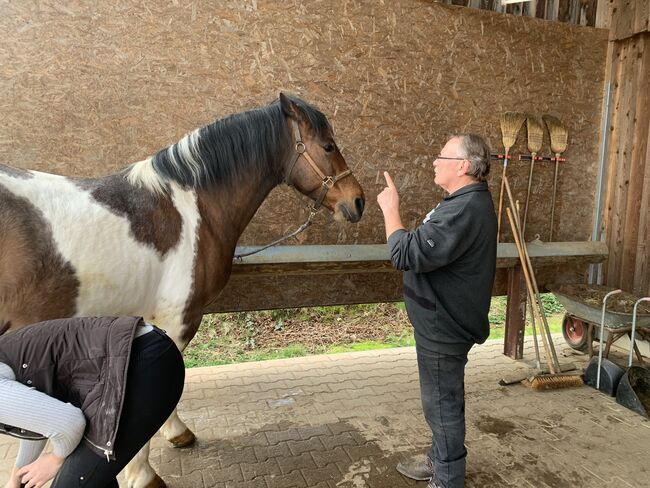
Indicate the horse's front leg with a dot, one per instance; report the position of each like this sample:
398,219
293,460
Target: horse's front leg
174,429
176,432
140,474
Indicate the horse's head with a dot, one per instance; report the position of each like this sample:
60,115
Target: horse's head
315,166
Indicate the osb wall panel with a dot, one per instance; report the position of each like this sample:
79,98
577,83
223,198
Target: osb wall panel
88,87
626,221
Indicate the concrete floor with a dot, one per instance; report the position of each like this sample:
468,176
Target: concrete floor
345,420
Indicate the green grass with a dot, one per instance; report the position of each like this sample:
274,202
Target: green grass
234,335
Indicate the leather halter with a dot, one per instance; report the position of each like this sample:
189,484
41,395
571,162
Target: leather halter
327,182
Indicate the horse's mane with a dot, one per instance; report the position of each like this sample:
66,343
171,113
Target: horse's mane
226,150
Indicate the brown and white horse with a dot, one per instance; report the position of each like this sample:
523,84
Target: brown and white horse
158,238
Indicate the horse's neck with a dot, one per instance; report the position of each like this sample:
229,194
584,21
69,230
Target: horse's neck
227,211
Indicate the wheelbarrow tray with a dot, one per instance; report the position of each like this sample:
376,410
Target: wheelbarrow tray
576,306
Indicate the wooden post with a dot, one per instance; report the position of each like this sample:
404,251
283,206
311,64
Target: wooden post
513,345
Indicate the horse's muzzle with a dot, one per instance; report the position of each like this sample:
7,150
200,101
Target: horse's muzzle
352,212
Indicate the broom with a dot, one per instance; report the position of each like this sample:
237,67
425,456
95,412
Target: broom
556,379
535,137
511,122
559,137
535,133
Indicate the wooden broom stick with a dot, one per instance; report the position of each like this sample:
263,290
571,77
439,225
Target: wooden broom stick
511,122
529,286
559,138
536,293
535,132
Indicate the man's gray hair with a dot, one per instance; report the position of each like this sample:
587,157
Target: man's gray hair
477,152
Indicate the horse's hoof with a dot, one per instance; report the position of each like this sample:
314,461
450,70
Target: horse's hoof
186,439
157,482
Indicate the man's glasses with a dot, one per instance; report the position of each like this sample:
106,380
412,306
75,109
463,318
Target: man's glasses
457,159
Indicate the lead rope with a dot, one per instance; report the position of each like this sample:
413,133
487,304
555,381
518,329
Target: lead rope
312,213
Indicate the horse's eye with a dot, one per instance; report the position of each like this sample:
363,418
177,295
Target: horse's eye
328,147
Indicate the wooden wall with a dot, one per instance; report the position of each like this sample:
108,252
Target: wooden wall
626,212
90,87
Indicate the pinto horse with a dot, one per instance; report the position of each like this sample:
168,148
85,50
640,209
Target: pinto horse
158,238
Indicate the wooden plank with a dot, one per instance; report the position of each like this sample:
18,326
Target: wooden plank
371,258
603,14
639,114
629,18
624,127
513,344
270,291
588,12
611,201
564,11
641,284
642,272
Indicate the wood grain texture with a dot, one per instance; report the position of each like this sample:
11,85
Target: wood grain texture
89,88
626,211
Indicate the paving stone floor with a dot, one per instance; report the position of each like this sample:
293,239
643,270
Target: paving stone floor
345,420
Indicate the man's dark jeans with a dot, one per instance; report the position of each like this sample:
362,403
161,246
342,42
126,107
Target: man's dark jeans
442,388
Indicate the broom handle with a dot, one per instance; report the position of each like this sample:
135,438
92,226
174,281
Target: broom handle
529,286
530,181
503,180
546,328
530,297
550,232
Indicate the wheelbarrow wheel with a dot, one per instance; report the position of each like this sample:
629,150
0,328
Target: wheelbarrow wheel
575,333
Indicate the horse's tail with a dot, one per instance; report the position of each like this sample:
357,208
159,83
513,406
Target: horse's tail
4,326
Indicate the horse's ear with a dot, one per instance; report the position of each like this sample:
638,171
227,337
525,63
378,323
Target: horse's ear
289,108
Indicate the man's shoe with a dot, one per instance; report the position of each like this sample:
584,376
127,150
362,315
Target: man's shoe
418,470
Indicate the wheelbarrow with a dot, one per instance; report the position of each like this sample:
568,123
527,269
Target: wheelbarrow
583,314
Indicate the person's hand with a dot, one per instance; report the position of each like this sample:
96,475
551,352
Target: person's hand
36,474
388,199
14,480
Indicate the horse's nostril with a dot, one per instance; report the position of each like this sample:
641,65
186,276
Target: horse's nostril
359,203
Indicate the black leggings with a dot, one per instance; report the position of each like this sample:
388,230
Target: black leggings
154,385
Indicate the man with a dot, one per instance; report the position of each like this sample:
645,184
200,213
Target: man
449,263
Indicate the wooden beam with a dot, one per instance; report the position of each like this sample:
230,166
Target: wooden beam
639,147
513,344
373,258
629,18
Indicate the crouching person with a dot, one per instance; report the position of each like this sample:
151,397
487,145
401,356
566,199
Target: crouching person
98,388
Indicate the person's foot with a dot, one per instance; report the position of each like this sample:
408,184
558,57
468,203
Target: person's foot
418,470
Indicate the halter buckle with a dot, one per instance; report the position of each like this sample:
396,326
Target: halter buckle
300,147
328,182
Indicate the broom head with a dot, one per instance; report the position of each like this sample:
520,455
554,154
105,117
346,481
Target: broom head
511,122
558,132
535,131
554,381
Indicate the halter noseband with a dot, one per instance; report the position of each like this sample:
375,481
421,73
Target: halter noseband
327,182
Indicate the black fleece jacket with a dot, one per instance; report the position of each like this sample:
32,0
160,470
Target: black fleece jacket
449,264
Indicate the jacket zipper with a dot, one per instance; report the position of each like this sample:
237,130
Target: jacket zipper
106,452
